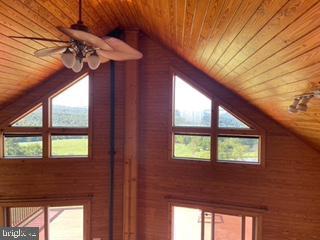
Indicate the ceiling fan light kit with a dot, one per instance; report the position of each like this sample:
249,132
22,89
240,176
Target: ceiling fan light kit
300,103
68,58
86,47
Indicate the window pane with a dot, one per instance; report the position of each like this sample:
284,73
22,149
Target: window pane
69,145
248,233
28,217
186,223
23,146
192,108
227,120
192,147
207,226
238,149
70,107
65,222
227,227
33,119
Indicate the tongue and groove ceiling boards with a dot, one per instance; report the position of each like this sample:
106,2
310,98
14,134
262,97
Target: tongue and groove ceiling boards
267,51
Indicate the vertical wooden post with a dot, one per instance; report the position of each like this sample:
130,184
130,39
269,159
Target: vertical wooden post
46,121
131,142
2,217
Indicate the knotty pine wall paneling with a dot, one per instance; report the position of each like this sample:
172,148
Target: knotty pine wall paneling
288,184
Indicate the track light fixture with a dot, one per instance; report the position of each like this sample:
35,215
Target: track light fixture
300,102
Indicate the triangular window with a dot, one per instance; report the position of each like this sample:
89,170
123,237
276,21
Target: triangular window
192,108
228,120
32,119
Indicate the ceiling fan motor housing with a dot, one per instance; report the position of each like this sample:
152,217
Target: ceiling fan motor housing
80,26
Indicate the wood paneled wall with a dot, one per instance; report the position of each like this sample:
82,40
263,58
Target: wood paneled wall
73,178
288,185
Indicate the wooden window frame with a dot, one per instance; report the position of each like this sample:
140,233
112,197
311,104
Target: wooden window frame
50,202
214,131
47,130
255,213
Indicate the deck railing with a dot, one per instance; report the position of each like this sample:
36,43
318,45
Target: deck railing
20,214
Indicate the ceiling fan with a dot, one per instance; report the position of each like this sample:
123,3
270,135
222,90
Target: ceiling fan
84,46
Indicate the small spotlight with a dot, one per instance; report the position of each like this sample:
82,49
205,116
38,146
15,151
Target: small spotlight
300,102
302,106
293,106
292,109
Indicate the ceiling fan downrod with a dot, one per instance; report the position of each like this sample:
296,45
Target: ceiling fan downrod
80,25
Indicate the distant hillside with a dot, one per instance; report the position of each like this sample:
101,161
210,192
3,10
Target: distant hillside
203,118
227,120
61,116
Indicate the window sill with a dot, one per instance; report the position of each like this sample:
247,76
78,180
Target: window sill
41,159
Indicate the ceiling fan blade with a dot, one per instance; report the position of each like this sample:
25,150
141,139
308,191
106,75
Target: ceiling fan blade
121,50
39,39
116,55
86,37
50,51
102,59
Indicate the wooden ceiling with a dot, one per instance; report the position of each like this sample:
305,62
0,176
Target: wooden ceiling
267,51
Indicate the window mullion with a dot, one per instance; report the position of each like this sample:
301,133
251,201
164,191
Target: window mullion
243,228
254,228
45,132
46,223
1,145
202,225
212,225
214,132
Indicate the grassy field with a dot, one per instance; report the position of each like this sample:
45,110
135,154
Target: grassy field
79,147
65,147
60,147
184,151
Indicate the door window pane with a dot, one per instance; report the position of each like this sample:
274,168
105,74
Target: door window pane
249,224
192,108
227,227
186,223
207,226
70,107
28,217
66,223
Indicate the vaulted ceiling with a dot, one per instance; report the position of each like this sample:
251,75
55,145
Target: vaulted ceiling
267,51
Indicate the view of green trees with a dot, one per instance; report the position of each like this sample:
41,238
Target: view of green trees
227,120
198,119
23,146
229,148
63,116
238,149
33,119
186,146
31,146
192,147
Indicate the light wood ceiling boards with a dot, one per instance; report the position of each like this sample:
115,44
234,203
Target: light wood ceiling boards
267,51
